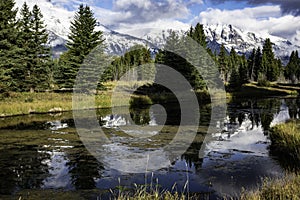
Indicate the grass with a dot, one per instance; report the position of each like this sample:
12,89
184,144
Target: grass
285,140
277,189
254,90
143,193
285,144
47,102
27,103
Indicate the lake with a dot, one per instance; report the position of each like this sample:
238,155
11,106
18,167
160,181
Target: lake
44,154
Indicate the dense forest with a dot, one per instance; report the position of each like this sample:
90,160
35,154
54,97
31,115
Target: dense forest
26,63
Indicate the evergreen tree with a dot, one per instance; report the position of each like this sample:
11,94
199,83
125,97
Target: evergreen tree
292,71
251,65
82,40
42,57
9,59
138,56
198,35
175,43
233,61
243,70
269,67
22,74
223,63
234,81
257,65
36,59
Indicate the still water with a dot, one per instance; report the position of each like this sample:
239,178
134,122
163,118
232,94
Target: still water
44,153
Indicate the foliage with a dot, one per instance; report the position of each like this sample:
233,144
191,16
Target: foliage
185,68
223,63
262,80
285,139
292,70
269,66
138,58
9,49
25,59
82,40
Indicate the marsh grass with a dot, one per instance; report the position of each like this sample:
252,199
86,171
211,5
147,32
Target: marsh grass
27,103
285,139
253,89
285,142
276,189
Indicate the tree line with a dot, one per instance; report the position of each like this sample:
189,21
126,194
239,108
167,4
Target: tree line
26,63
25,60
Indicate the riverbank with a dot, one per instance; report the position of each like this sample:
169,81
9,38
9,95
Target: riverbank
49,102
274,90
285,144
285,188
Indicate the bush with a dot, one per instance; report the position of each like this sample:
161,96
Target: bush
262,81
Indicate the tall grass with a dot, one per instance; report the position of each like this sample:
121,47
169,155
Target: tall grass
277,189
285,140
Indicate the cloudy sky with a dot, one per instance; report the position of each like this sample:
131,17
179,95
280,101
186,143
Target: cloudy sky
277,17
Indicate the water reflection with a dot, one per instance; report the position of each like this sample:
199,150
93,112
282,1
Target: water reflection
46,152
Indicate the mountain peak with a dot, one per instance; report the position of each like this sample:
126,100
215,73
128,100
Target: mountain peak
58,15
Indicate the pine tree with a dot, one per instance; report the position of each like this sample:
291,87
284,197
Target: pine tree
9,50
269,65
82,40
178,44
243,70
233,61
251,65
223,63
22,75
292,71
198,35
36,59
42,57
257,65
234,81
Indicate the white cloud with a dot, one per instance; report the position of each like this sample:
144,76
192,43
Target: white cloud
142,29
137,11
195,2
262,19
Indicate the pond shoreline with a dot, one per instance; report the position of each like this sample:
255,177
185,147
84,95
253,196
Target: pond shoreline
19,104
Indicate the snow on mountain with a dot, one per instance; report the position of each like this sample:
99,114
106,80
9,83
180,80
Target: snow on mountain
244,42
118,43
58,17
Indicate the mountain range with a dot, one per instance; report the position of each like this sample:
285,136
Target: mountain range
58,18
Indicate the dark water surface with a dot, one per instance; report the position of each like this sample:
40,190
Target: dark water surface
41,154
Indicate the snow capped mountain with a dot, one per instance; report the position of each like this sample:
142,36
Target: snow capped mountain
244,42
118,43
58,16
58,19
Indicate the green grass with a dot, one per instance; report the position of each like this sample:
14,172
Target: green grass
26,103
285,139
254,90
277,189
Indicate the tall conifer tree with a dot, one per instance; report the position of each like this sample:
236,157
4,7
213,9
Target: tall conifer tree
82,40
9,49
